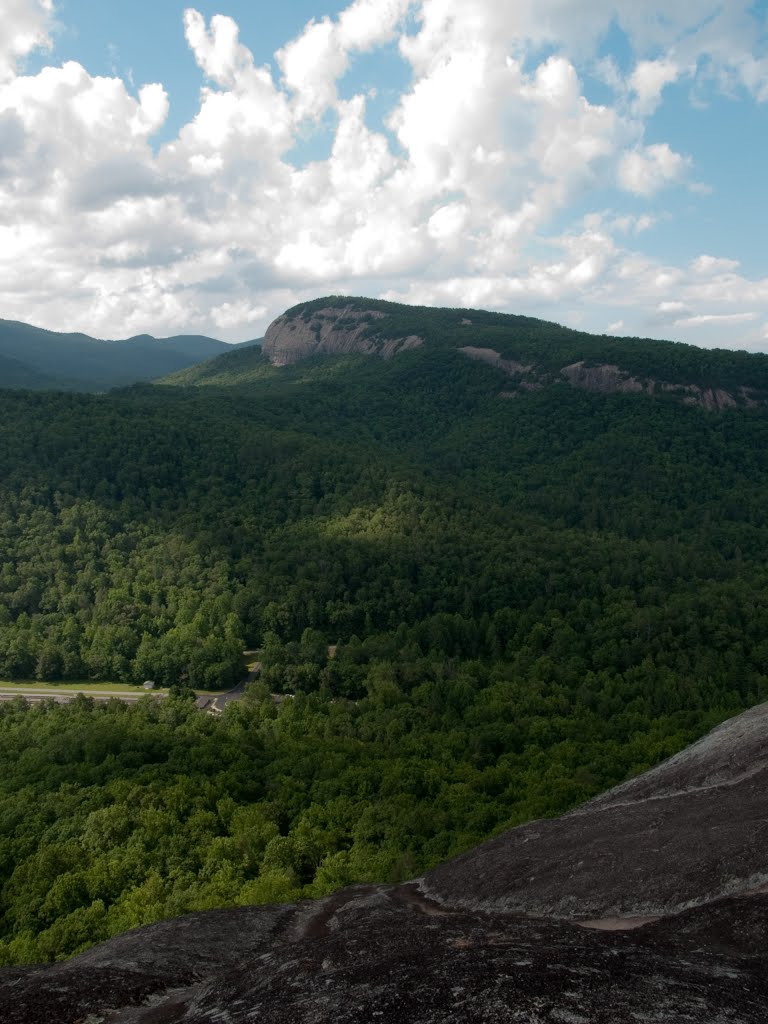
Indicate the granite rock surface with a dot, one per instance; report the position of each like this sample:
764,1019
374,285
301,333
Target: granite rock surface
647,904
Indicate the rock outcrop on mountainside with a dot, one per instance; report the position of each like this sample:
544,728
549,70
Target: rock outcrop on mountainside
611,380
608,379
332,331
648,903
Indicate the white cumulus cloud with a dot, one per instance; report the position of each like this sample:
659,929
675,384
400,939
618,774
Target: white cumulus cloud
648,80
646,170
463,196
25,27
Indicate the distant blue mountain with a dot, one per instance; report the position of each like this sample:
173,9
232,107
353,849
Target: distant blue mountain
31,357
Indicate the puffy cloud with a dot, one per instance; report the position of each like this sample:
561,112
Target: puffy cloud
313,63
627,223
311,66
447,223
368,23
97,151
713,265
235,314
217,49
462,199
644,171
247,109
648,80
26,27
106,182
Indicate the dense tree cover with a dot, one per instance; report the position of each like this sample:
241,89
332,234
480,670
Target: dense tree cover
485,608
158,532
244,365
114,816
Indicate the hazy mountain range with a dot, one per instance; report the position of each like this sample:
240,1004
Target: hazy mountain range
31,357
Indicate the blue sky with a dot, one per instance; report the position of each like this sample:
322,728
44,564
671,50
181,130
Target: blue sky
167,167
143,41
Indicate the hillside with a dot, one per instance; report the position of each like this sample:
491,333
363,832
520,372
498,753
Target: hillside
243,365
527,353
15,374
505,933
45,360
686,834
487,609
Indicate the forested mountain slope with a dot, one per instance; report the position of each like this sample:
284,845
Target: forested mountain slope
34,358
487,608
529,353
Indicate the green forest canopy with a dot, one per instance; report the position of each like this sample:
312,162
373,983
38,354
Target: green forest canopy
529,600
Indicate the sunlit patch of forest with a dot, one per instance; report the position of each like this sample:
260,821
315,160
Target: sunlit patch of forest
526,601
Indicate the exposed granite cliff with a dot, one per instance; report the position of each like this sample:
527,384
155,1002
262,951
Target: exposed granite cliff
609,379
604,379
497,935
691,831
332,331
488,355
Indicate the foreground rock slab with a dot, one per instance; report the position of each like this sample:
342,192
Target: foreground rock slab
692,830
668,872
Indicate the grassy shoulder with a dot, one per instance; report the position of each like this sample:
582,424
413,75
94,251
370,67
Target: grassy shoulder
86,686
90,686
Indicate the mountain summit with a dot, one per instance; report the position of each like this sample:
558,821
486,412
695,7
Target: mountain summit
332,330
527,353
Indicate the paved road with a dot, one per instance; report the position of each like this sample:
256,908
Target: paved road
219,703
63,695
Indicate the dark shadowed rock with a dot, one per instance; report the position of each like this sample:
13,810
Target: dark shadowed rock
689,831
496,935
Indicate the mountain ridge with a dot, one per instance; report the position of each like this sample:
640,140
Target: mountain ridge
39,359
529,354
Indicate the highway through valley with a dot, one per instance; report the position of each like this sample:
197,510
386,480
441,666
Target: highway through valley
213,703
64,696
